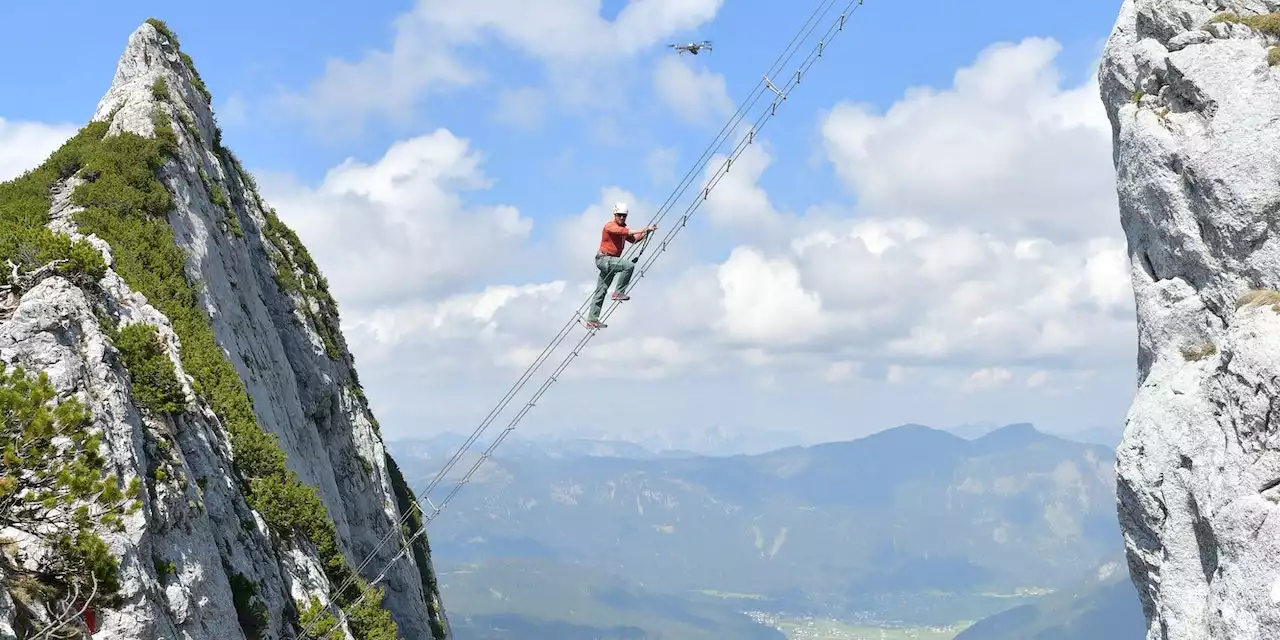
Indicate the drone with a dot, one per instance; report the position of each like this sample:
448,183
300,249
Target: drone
692,47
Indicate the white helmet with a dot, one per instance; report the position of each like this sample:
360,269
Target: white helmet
620,207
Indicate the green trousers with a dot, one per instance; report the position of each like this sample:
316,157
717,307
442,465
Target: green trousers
609,267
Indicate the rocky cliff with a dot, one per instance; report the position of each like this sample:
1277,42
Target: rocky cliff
186,449
1193,93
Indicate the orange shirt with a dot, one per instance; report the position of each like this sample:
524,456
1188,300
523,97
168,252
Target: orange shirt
613,238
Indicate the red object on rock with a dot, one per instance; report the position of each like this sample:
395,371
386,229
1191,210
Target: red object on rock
91,620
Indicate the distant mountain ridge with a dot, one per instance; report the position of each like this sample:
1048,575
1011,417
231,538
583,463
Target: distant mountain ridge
854,526
603,445
1104,607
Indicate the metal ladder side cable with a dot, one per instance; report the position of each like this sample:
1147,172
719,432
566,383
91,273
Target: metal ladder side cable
743,105
781,95
707,153
761,86
699,166
820,11
529,371
723,170
541,358
738,150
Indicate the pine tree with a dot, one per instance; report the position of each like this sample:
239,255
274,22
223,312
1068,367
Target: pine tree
56,491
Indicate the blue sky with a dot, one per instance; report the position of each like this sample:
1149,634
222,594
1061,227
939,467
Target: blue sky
950,329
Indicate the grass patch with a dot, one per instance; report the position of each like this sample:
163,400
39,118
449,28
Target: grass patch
317,617
164,567
370,620
24,215
250,611
164,130
296,272
160,90
189,125
54,485
153,377
218,196
1192,354
290,257
196,81
1268,23
1259,297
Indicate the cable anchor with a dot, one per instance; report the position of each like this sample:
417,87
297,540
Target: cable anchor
774,106
772,88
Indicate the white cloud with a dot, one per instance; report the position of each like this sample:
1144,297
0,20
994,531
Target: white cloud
24,145
987,379
1007,148
997,273
522,108
697,96
568,30
398,228
949,286
927,292
570,37
660,164
737,200
839,371
488,326
764,301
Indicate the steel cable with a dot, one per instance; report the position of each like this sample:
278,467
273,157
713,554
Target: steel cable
765,85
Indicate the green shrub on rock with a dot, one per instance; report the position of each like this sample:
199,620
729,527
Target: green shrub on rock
155,382
56,486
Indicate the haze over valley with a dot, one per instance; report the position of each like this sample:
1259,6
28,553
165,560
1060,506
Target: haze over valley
909,528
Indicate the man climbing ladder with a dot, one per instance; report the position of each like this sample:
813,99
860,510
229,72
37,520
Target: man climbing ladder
609,262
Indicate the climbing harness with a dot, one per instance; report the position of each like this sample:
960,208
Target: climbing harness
780,95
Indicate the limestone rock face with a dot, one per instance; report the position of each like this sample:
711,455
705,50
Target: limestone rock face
1195,111
284,343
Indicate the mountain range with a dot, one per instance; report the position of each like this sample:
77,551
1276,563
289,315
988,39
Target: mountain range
1104,607
911,525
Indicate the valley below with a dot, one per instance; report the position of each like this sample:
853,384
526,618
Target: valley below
912,532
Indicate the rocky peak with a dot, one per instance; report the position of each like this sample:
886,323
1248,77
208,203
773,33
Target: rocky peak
201,340
1193,93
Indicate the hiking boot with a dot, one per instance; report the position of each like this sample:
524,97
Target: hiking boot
620,296
596,324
